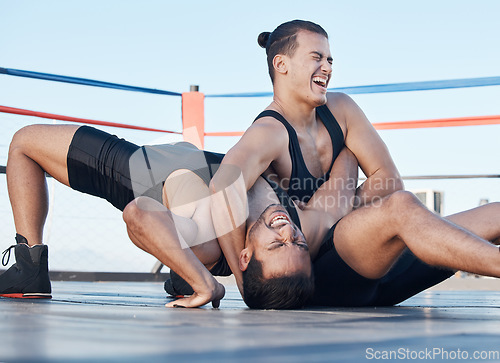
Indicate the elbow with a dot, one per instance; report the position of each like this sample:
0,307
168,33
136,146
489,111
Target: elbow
393,184
393,181
398,183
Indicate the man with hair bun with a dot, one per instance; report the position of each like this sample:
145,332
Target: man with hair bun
295,142
297,138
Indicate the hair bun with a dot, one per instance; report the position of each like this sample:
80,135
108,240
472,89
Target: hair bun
263,38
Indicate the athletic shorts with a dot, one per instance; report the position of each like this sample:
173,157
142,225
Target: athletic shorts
336,284
221,268
119,171
99,164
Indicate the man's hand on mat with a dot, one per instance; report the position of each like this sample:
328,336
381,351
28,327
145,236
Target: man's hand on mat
198,299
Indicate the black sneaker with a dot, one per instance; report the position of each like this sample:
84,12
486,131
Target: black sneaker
28,278
176,286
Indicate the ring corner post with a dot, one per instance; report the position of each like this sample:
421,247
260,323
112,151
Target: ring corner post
193,117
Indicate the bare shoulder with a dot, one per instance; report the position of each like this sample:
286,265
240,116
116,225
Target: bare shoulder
263,143
264,134
340,102
270,125
337,98
346,110
341,106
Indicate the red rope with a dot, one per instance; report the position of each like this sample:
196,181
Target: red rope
419,124
443,122
20,111
224,133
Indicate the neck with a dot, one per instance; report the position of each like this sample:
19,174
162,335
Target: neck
299,115
298,109
260,196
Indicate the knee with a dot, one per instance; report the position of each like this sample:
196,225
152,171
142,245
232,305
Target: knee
137,211
21,140
494,205
403,197
132,213
403,202
492,208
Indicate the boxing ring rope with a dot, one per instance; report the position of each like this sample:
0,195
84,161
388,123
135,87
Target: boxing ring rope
395,125
19,111
394,87
82,81
380,88
418,124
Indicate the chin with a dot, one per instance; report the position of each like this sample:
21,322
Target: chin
320,101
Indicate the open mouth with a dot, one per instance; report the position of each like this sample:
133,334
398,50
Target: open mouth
279,219
320,81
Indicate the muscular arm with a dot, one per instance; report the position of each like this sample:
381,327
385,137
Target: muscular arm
261,144
336,196
229,209
372,154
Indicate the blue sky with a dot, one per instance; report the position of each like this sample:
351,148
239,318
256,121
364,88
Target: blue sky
171,45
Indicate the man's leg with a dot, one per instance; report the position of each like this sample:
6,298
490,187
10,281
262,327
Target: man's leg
151,228
483,221
371,238
34,150
409,275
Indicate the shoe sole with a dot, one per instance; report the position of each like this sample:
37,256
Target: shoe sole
31,295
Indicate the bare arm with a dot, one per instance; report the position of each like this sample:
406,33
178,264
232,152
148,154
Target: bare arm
229,208
336,195
261,144
372,154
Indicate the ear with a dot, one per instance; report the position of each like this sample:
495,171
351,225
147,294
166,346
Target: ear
279,63
245,257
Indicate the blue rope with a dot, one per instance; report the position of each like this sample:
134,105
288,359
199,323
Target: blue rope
247,94
380,88
83,81
393,87
421,86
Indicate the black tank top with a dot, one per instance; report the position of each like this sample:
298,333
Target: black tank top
302,183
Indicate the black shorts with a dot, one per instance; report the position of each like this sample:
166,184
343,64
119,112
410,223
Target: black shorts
221,268
337,284
98,164
103,165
